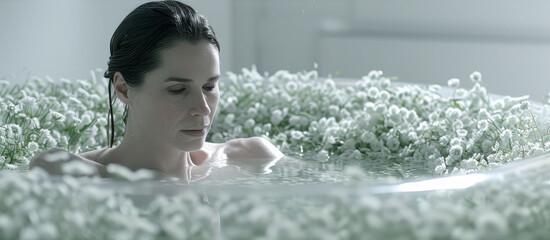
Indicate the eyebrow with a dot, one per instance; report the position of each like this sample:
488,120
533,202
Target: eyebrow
175,79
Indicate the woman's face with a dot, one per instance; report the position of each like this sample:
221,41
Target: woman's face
177,102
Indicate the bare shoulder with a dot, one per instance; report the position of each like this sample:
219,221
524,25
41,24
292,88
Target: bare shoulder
93,155
253,147
52,160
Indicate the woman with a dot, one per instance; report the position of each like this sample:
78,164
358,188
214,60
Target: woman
164,66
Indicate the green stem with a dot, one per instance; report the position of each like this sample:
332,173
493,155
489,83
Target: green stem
538,129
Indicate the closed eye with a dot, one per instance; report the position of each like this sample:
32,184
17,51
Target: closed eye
209,88
177,91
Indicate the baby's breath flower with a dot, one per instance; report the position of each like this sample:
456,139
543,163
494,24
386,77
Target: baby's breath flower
384,95
57,116
32,147
333,110
483,125
297,135
440,169
291,86
102,122
34,123
484,114
475,77
252,112
217,137
229,119
294,121
456,152
381,109
373,92
13,130
276,117
249,123
499,104
525,105
453,82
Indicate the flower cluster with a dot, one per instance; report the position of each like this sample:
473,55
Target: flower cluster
43,114
37,206
459,131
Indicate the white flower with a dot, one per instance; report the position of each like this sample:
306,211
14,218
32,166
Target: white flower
249,87
78,168
381,109
460,93
487,145
367,137
297,135
452,113
499,104
453,82
249,123
276,117
440,169
252,112
333,110
484,114
475,77
392,143
57,116
34,123
374,74
291,86
349,144
102,122
525,105
229,118
462,132
57,156
217,137
322,155
469,163
294,121
394,110
373,92
511,121
490,223
483,125
456,152
13,130
83,122
384,95
329,83
32,147
123,172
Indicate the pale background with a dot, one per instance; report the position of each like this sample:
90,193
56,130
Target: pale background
424,41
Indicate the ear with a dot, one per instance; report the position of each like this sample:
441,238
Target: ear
121,88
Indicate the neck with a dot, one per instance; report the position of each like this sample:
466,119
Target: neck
136,152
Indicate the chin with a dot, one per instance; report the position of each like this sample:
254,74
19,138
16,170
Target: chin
192,146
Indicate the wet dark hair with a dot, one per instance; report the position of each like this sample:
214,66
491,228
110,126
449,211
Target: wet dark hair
141,37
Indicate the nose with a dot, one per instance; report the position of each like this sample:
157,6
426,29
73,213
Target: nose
200,106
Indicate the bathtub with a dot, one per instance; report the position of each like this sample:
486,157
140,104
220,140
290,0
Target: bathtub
298,197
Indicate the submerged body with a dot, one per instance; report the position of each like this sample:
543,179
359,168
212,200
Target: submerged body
251,155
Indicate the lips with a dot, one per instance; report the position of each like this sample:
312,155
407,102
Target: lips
195,132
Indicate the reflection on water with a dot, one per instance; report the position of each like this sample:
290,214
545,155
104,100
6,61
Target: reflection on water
307,169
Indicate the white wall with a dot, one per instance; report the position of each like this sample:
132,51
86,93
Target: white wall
66,38
427,41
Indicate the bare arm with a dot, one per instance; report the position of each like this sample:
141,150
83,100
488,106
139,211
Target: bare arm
255,155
